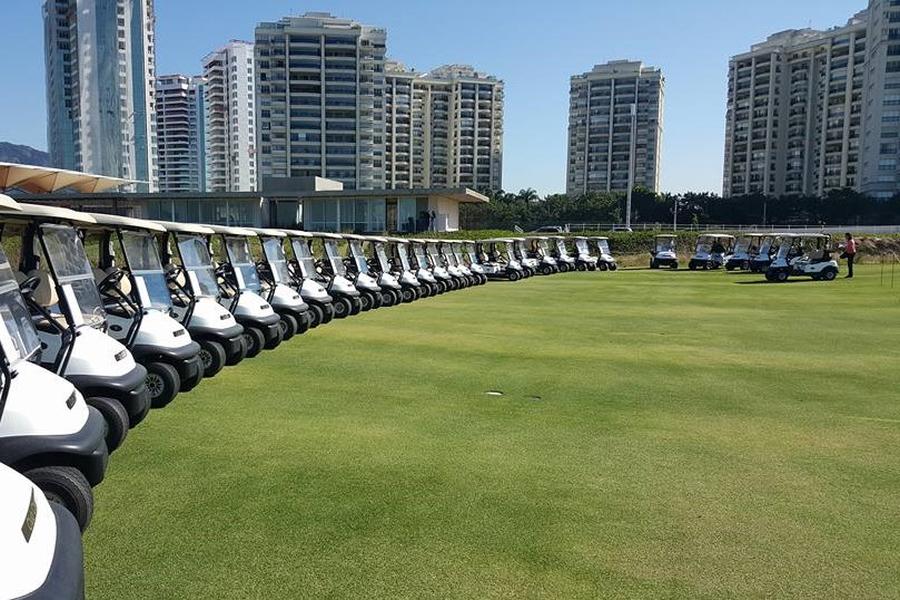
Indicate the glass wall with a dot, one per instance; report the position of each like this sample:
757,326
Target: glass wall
237,212
344,215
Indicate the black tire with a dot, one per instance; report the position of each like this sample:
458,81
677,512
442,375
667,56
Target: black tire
342,308
398,296
408,295
377,301
355,306
602,266
613,267
513,276
653,264
288,325
254,340
367,301
304,321
829,274
163,383
546,270
116,418
275,342
69,488
212,357
673,266
316,315
692,266
781,276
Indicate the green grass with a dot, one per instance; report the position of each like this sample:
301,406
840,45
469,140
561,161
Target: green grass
660,435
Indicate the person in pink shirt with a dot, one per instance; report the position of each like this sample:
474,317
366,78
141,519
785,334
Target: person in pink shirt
849,253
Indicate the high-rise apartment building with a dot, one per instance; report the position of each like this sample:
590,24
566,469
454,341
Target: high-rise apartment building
100,71
320,94
443,128
229,73
180,130
615,120
812,111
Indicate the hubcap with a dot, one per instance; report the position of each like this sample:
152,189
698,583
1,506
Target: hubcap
205,358
154,385
283,325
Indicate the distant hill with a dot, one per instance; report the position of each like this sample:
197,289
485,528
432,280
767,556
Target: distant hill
23,155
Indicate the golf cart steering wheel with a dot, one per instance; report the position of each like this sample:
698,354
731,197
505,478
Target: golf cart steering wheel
111,281
29,286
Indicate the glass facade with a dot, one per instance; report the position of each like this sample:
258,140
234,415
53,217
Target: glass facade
235,212
345,215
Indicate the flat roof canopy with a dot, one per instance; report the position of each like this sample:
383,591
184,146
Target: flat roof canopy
37,180
116,221
50,213
460,194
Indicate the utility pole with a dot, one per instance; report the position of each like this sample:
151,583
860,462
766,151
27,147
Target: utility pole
631,167
675,219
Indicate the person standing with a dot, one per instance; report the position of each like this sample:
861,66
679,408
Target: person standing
849,253
433,219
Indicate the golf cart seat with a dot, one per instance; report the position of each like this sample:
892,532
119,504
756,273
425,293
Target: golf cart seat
45,292
20,277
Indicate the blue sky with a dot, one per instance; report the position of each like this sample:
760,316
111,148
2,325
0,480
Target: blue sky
533,46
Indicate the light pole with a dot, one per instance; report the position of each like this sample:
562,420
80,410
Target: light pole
631,168
675,218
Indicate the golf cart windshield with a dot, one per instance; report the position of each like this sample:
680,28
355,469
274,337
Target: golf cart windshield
665,244
359,256
543,247
469,249
304,257
402,254
238,250
334,256
766,246
742,245
274,251
18,336
785,246
704,245
510,251
520,248
434,254
196,261
582,246
561,247
421,257
450,256
603,245
73,274
382,257
142,256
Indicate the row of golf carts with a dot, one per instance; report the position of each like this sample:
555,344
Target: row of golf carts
104,317
778,255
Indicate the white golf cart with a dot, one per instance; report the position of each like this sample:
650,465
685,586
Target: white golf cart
402,284
191,279
40,545
530,264
240,288
712,251
132,284
348,300
539,247
439,266
277,284
427,267
500,261
584,260
664,253
47,431
768,247
306,279
59,288
451,263
560,253
605,261
806,254
381,291
412,256
454,250
746,247
468,252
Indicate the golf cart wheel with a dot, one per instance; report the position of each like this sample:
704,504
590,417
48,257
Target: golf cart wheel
582,267
163,383
781,276
212,357
327,312
355,306
342,307
745,266
653,264
116,418
275,342
674,266
316,314
829,274
546,270
513,276
692,266
408,295
613,267
398,296
288,325
602,266
69,488
304,321
367,301
254,340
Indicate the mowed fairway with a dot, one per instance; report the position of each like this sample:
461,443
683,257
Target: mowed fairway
659,434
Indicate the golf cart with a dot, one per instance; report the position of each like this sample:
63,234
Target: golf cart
240,288
559,252
664,253
396,252
439,265
467,251
712,251
60,291
605,261
427,264
348,300
539,247
501,260
383,291
418,259
454,248
584,260
41,556
451,262
132,284
400,282
746,247
530,264
276,284
807,254
47,431
306,279
768,247
191,280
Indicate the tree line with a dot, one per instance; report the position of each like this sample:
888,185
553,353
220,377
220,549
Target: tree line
528,210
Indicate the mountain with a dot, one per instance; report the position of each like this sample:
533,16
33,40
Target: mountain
23,155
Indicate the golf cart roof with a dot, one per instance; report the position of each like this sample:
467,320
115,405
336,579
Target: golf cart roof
536,237
297,233
352,236
580,237
41,211
325,234
599,237
396,240
119,222
496,240
234,231
375,238
717,236
418,240
666,235
268,232
7,203
192,228
809,235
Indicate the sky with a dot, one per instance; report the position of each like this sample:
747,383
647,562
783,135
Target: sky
534,47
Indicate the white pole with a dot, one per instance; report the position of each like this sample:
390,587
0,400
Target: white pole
675,220
631,167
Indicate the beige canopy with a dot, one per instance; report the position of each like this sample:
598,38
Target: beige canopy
41,180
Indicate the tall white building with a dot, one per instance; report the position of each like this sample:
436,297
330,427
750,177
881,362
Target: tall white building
443,128
230,118
320,93
180,129
100,71
812,111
